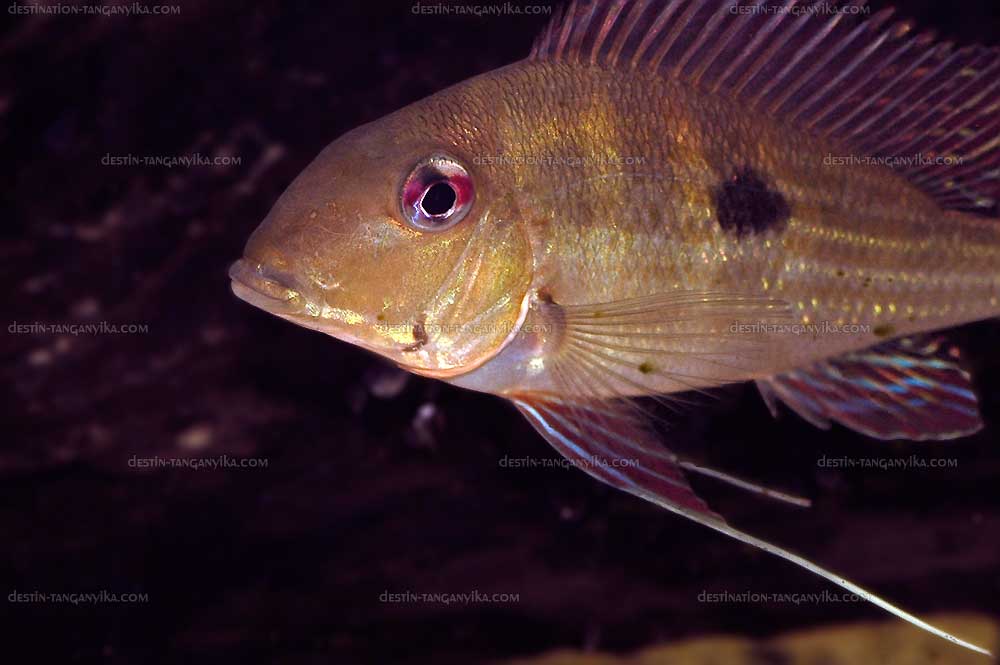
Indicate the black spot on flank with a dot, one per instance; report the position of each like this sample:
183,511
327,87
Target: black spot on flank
646,367
744,205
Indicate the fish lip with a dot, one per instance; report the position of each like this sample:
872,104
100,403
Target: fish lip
264,287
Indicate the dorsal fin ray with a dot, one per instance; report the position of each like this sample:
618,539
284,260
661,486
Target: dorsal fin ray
875,86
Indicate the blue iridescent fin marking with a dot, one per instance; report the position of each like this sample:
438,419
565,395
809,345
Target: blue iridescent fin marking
901,390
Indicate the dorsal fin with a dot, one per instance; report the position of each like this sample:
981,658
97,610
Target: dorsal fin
930,112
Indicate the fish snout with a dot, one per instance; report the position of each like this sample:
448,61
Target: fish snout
268,288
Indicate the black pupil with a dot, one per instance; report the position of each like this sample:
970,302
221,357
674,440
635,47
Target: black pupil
438,199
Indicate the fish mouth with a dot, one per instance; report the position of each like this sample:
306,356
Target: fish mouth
279,293
271,290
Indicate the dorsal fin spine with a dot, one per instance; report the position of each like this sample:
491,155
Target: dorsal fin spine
791,65
985,146
579,34
654,31
813,101
698,42
807,74
672,36
720,45
943,103
941,148
912,119
760,37
862,57
876,118
567,28
761,57
903,47
627,27
956,112
778,79
609,21
830,56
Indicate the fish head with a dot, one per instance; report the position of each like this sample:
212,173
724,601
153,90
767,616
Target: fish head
396,240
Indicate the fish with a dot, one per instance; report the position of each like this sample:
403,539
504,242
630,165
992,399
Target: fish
665,197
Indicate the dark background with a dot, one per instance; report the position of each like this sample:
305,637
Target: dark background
361,494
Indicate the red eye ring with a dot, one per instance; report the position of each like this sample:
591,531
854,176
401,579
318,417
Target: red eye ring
437,194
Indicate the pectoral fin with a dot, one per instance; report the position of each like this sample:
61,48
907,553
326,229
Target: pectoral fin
905,389
663,343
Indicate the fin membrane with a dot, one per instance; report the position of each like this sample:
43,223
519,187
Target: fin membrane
901,390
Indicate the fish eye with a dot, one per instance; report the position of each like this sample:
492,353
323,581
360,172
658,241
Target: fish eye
437,194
